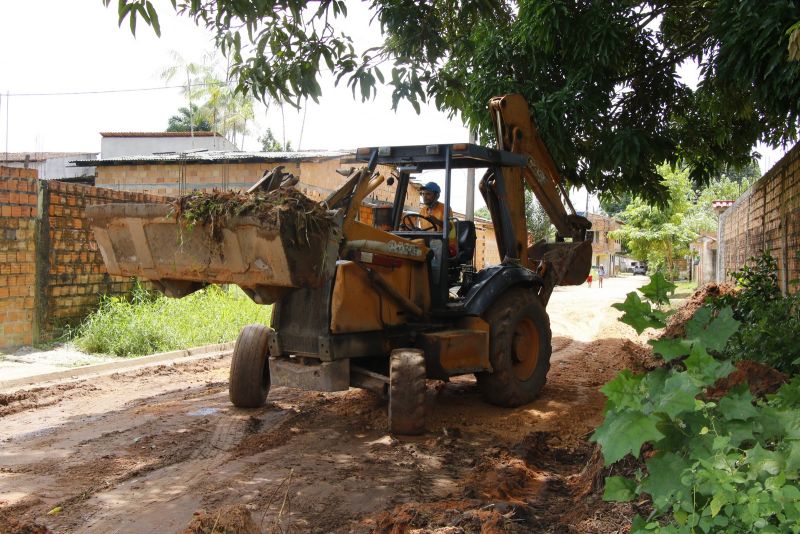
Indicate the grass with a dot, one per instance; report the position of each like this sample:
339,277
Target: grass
150,322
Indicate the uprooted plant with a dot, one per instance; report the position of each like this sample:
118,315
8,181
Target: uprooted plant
727,462
216,208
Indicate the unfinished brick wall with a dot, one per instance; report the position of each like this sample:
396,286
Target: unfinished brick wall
18,212
51,272
766,217
72,274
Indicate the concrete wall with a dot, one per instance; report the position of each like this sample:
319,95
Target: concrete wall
117,145
56,168
766,217
318,178
51,272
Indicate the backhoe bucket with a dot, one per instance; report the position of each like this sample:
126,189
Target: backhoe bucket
571,261
265,260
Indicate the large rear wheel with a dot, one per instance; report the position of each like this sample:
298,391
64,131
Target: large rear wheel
519,349
407,392
249,377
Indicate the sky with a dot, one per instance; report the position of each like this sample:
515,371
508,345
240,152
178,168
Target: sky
70,73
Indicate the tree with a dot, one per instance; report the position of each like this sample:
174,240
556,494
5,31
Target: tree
661,234
614,204
189,119
270,144
602,78
228,111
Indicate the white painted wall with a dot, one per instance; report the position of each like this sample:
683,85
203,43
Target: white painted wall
57,168
115,147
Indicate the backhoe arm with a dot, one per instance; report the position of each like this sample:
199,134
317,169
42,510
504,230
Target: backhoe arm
517,133
559,263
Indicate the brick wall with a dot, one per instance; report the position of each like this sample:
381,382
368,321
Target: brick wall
18,211
72,274
766,217
51,272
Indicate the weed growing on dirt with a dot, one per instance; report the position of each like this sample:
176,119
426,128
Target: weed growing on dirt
149,322
770,320
727,462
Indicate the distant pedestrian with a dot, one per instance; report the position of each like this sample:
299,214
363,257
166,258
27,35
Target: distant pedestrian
589,279
601,273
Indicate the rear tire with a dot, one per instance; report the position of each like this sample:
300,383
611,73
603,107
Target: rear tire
249,378
519,349
407,392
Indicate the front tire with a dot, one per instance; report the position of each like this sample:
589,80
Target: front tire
249,377
519,349
407,392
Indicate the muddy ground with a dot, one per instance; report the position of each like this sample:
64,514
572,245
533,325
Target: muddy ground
162,450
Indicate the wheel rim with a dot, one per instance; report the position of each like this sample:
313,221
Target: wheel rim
525,349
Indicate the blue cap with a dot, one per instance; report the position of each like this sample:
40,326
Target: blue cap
433,187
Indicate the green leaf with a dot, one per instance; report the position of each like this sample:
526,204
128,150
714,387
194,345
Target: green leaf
738,405
658,290
153,17
698,323
625,432
704,368
717,502
619,489
713,333
676,397
623,391
663,481
764,461
669,349
638,314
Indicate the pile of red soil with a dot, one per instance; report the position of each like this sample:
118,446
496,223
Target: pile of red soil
12,526
228,520
676,325
761,379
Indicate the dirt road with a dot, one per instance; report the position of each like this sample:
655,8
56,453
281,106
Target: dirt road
162,450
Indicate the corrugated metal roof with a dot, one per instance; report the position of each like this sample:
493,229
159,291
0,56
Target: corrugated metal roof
38,156
213,156
160,134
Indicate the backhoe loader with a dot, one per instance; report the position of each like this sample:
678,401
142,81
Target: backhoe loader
360,306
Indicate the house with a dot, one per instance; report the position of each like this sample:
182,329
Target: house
120,144
51,165
606,251
703,252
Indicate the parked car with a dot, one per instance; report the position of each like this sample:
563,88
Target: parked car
640,269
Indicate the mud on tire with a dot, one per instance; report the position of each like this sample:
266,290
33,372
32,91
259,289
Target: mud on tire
407,392
519,349
249,376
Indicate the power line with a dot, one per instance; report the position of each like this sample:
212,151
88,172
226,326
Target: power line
108,91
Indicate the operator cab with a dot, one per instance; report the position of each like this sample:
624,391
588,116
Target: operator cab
453,246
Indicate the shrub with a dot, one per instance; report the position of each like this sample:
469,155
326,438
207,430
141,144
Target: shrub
727,464
148,322
770,320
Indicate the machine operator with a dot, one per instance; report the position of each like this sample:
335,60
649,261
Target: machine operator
431,207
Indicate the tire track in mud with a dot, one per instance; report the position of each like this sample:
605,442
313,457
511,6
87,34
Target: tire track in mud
328,454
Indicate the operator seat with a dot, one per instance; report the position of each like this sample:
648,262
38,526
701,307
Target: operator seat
466,238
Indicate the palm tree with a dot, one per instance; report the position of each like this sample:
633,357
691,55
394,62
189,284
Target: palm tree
189,119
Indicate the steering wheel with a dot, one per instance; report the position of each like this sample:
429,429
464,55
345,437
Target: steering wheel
410,220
